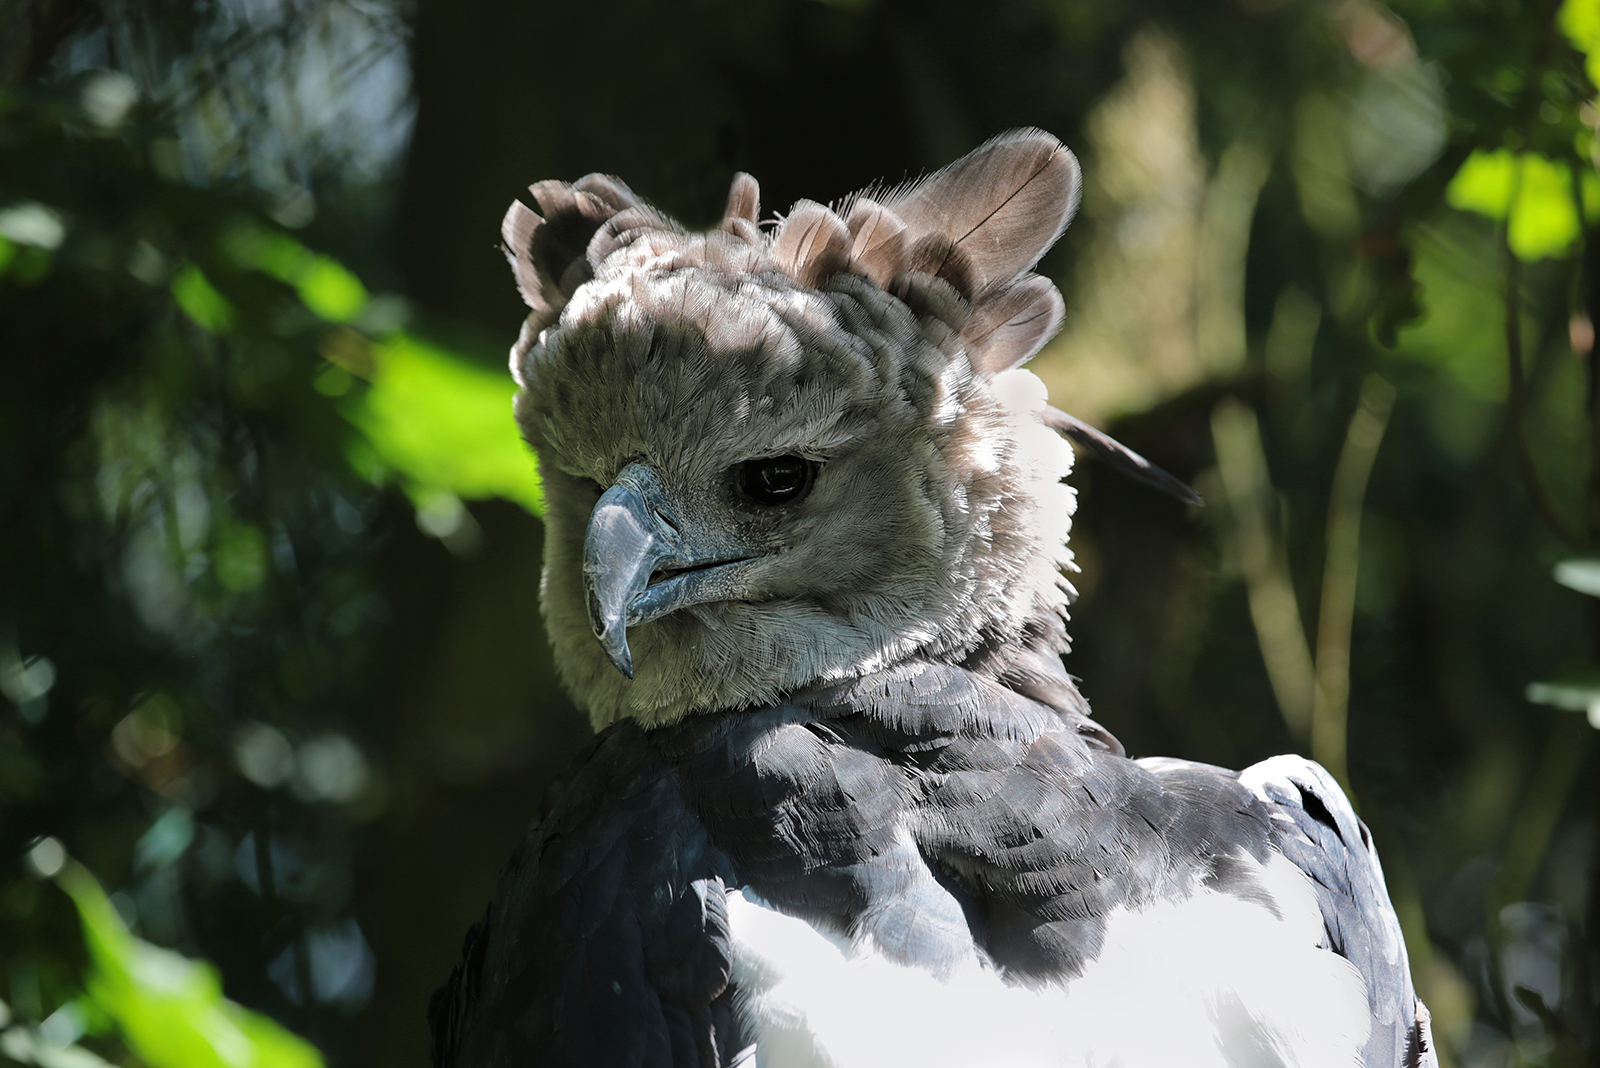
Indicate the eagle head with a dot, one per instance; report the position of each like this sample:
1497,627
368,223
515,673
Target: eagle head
777,458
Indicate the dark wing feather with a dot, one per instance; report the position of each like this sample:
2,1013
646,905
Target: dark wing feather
938,811
607,940
1118,455
1319,832
926,806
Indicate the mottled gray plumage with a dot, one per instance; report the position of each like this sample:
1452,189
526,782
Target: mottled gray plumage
805,554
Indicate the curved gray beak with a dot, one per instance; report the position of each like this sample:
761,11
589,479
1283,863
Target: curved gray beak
640,563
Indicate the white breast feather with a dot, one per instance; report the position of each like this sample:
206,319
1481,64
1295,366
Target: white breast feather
1210,982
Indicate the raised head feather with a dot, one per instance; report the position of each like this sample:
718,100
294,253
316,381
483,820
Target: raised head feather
1002,205
744,210
548,253
613,192
811,244
937,254
744,199
1009,325
516,241
878,246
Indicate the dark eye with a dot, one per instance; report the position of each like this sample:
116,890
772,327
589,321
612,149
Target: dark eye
776,479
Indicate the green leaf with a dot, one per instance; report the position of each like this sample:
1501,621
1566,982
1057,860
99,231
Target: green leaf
1580,21
1534,191
201,302
169,1009
445,425
331,291
1580,575
27,1045
1454,265
1584,699
239,557
324,285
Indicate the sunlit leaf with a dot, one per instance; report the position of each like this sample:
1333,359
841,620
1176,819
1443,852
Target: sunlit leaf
1580,575
201,302
1580,21
1543,219
444,425
323,284
331,291
169,1009
1456,271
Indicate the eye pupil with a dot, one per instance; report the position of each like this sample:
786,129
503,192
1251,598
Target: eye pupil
776,479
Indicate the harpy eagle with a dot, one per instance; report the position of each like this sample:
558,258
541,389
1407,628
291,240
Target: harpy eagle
805,554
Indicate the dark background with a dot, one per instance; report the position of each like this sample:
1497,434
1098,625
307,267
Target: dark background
294,713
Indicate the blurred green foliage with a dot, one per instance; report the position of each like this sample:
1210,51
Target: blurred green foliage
168,1009
199,575
1542,202
294,719
1574,695
442,423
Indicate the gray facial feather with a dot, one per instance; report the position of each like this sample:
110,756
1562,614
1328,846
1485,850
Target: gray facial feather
937,524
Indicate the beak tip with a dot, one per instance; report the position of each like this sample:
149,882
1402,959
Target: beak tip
614,640
623,663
